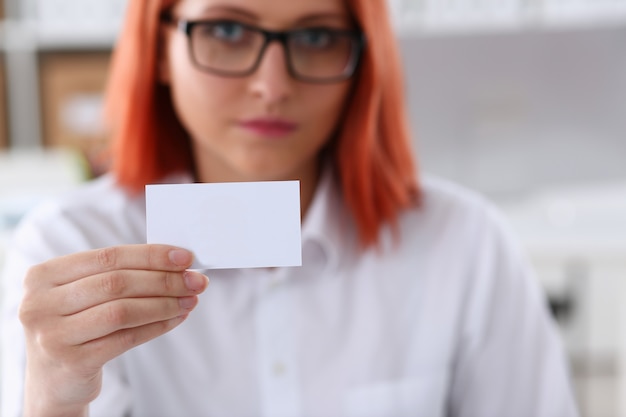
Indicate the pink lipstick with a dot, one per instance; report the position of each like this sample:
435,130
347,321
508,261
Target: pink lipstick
271,128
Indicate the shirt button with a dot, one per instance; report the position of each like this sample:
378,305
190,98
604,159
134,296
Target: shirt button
279,369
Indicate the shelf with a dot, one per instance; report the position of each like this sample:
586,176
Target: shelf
32,36
503,21
101,36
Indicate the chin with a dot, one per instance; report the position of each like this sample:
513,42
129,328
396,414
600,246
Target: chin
273,171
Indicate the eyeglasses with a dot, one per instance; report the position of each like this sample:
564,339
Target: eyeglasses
233,49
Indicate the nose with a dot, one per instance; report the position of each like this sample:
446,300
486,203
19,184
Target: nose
271,81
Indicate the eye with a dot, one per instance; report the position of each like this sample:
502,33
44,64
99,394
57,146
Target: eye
315,38
227,31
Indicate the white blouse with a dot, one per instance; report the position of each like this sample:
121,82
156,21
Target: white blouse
446,321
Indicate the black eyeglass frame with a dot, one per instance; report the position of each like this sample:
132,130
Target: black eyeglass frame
186,26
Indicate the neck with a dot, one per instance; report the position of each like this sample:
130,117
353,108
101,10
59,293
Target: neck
307,175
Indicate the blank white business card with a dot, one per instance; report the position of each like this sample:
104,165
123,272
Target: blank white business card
228,225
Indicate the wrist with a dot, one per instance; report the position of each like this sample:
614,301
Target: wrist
41,409
45,398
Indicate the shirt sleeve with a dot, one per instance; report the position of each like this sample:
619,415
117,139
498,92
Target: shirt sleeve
510,358
42,236
13,349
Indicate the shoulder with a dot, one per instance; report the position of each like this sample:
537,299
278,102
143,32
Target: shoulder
99,197
455,222
462,240
447,203
95,214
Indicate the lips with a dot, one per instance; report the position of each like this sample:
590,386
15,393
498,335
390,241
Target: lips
269,127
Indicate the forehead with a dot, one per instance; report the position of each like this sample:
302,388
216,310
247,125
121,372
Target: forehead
270,12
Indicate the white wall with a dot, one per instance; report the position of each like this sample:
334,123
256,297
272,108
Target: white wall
507,112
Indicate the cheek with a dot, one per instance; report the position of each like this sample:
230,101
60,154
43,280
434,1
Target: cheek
202,91
326,105
197,95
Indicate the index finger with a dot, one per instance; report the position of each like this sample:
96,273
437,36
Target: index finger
69,268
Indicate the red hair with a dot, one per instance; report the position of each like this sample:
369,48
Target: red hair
372,151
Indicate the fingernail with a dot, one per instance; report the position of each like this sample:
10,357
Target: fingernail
195,281
181,257
187,303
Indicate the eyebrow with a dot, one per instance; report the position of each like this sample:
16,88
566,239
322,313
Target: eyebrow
231,9
303,20
322,16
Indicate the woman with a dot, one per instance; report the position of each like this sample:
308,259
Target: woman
412,299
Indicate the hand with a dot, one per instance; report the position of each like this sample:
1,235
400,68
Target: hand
82,310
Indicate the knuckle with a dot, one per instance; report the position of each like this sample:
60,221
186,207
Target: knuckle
26,313
113,284
169,282
29,310
34,276
49,341
107,257
117,314
164,326
128,339
154,256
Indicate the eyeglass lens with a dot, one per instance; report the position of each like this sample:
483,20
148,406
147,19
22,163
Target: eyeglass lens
230,47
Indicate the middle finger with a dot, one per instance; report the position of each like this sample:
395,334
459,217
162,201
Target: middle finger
107,286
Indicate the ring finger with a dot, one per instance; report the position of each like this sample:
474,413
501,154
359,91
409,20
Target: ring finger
127,313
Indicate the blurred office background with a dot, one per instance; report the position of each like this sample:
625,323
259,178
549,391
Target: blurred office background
522,100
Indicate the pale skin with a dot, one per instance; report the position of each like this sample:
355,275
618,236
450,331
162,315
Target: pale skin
82,310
